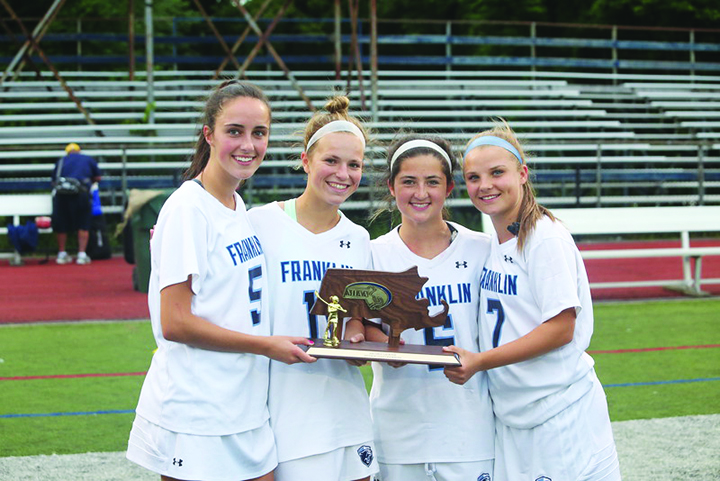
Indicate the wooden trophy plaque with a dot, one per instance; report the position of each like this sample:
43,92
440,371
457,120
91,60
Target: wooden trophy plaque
389,296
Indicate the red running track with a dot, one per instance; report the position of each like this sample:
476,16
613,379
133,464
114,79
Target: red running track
50,292
103,290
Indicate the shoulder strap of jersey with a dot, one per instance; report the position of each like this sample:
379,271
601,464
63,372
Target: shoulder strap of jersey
289,207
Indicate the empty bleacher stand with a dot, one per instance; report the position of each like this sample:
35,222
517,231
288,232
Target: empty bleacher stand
617,127
594,142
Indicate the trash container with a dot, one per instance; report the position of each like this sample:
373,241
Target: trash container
142,220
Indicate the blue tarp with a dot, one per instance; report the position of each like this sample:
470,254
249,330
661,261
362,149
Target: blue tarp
24,238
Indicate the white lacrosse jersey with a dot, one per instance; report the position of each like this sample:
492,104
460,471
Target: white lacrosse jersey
198,391
314,408
520,291
419,416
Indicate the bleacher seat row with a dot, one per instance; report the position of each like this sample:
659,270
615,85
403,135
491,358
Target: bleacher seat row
597,139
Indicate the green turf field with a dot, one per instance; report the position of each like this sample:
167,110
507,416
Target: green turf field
659,324
79,415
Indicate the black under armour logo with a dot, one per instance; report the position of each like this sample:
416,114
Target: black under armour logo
177,462
508,259
345,244
459,264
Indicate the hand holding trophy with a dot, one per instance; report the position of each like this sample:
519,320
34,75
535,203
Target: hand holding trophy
389,296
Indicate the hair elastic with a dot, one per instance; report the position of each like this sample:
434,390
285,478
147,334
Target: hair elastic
417,144
514,228
497,142
336,126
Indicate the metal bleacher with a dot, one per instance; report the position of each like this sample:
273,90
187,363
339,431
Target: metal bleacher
643,140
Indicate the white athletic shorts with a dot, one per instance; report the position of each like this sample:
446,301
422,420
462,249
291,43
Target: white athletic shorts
575,445
472,471
234,457
342,464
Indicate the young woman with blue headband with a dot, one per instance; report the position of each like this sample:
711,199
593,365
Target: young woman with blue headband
535,325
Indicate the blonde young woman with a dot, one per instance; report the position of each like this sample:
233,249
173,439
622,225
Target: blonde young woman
535,324
319,412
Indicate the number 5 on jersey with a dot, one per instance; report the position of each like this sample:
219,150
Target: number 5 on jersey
255,294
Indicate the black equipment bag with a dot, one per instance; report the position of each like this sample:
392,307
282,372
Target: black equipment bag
99,241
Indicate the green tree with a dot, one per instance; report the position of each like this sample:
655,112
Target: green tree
657,13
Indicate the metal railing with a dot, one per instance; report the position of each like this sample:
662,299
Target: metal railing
187,42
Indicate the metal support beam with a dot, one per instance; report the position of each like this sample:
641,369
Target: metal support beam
354,5
38,37
11,35
78,43
351,57
338,41
263,37
240,40
448,47
598,177
264,40
131,39
701,174
692,52
150,61
533,51
374,59
49,16
614,37
216,33
36,47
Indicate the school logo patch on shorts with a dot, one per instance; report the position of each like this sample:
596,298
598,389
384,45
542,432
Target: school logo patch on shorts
366,455
484,477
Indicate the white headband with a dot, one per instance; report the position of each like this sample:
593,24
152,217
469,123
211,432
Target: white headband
336,126
420,143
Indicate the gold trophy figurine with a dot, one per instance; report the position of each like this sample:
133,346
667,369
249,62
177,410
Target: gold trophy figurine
330,336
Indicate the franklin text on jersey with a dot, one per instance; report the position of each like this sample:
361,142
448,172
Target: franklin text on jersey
498,282
246,249
307,270
459,293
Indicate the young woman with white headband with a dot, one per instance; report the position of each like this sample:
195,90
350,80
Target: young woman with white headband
319,412
535,324
425,427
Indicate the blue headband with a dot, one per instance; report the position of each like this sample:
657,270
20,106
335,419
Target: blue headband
497,142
